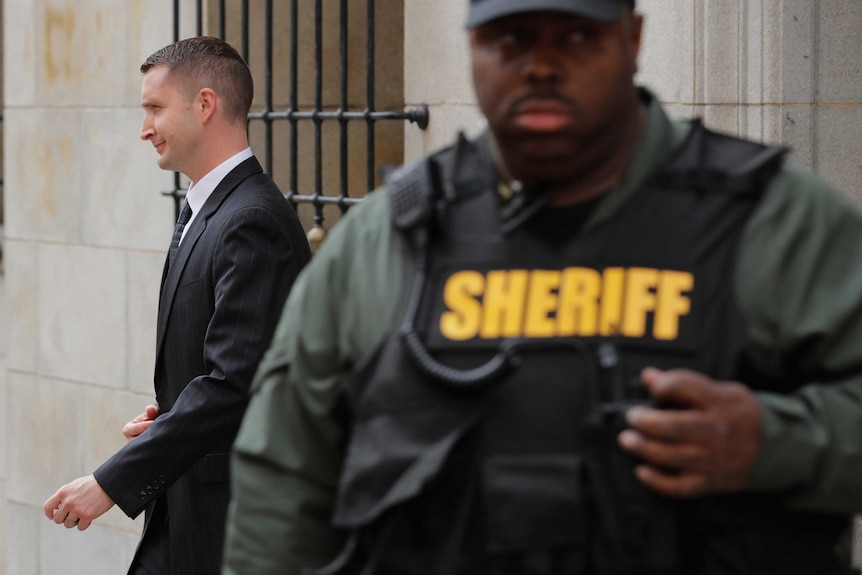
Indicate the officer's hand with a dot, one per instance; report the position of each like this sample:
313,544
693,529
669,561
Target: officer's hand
707,442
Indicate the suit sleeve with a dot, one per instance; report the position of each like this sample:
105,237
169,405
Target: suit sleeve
253,267
800,286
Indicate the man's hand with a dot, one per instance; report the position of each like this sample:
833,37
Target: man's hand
706,442
141,423
78,503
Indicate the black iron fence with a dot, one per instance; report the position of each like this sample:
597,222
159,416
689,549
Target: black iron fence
318,76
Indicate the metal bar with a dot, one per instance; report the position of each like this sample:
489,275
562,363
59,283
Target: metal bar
177,193
244,25
222,19
268,86
418,115
326,200
200,22
244,43
294,99
343,104
1,179
176,24
369,96
318,107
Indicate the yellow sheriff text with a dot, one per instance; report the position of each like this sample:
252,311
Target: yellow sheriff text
575,301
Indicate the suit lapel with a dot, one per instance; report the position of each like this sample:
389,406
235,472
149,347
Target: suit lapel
171,276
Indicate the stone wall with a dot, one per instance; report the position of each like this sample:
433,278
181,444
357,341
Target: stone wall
85,235
780,71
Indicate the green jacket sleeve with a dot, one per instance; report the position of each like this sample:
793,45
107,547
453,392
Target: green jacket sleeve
799,283
288,453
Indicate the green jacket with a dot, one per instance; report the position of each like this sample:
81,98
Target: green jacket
798,279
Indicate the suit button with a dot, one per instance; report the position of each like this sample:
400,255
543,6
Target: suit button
142,495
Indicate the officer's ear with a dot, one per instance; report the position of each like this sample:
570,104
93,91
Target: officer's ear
634,24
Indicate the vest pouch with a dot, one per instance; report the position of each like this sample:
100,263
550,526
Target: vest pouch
635,531
534,511
418,525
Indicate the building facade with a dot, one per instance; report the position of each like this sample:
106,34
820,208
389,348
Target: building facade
86,225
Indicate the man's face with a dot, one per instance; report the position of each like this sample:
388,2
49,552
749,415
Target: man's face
170,122
552,86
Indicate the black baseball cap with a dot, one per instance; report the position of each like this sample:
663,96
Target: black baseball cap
482,11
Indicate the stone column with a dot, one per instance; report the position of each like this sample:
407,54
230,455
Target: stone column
437,73
779,71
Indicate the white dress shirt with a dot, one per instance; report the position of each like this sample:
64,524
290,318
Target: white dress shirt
200,191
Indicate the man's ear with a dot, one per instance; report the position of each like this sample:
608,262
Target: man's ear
206,104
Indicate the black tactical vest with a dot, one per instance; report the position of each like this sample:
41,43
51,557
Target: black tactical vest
483,430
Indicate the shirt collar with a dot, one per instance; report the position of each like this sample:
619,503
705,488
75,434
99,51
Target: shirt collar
200,191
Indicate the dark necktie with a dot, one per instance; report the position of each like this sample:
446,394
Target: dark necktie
185,215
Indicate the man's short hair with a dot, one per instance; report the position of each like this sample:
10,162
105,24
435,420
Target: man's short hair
208,62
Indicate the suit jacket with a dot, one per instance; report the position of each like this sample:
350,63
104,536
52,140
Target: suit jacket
219,305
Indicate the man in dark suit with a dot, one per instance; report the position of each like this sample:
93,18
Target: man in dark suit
236,251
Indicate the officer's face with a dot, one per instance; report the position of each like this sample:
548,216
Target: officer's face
557,90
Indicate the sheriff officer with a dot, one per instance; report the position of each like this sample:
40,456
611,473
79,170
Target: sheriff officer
592,341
